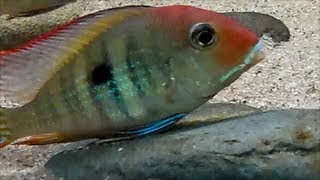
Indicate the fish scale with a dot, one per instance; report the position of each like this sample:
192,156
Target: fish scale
78,100
133,67
81,98
117,57
70,97
109,93
82,88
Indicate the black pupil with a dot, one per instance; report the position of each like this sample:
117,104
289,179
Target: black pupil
205,37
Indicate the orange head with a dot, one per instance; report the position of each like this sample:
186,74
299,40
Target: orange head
210,49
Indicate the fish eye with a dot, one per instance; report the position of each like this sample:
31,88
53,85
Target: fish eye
202,35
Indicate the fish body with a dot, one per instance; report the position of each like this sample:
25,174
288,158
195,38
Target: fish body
17,8
128,70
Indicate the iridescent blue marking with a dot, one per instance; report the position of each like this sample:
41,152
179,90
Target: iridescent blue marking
246,61
156,126
110,89
103,92
255,49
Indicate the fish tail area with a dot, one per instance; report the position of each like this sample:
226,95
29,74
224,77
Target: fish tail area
6,136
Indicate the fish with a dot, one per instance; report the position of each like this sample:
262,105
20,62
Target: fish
25,8
120,73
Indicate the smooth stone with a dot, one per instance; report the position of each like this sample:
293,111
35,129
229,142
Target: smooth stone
214,112
282,144
262,24
14,32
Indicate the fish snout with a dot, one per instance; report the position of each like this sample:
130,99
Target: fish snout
258,56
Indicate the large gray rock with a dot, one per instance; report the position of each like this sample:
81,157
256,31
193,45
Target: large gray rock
213,112
282,144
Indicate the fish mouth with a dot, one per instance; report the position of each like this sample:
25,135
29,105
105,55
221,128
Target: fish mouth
252,58
255,55
259,56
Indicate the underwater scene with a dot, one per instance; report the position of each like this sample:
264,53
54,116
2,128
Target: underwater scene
168,89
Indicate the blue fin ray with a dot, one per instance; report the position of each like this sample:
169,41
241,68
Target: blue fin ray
148,129
156,126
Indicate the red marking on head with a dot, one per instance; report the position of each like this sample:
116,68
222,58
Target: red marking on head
234,40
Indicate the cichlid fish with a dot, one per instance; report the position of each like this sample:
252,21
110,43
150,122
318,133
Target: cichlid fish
16,8
121,72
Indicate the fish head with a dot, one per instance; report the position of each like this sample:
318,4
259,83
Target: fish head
211,50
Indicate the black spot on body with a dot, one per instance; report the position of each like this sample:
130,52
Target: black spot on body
101,74
102,77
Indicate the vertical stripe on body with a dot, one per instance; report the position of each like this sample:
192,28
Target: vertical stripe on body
103,89
121,72
149,72
134,67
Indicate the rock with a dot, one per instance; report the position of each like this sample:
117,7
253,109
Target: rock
14,32
214,112
282,144
262,24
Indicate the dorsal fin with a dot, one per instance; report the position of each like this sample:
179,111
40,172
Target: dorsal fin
23,71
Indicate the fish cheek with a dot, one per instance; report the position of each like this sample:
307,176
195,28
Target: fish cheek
201,71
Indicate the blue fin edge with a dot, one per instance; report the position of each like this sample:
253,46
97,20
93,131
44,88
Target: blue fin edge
156,126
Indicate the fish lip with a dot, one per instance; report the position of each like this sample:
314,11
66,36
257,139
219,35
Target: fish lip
255,55
258,56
